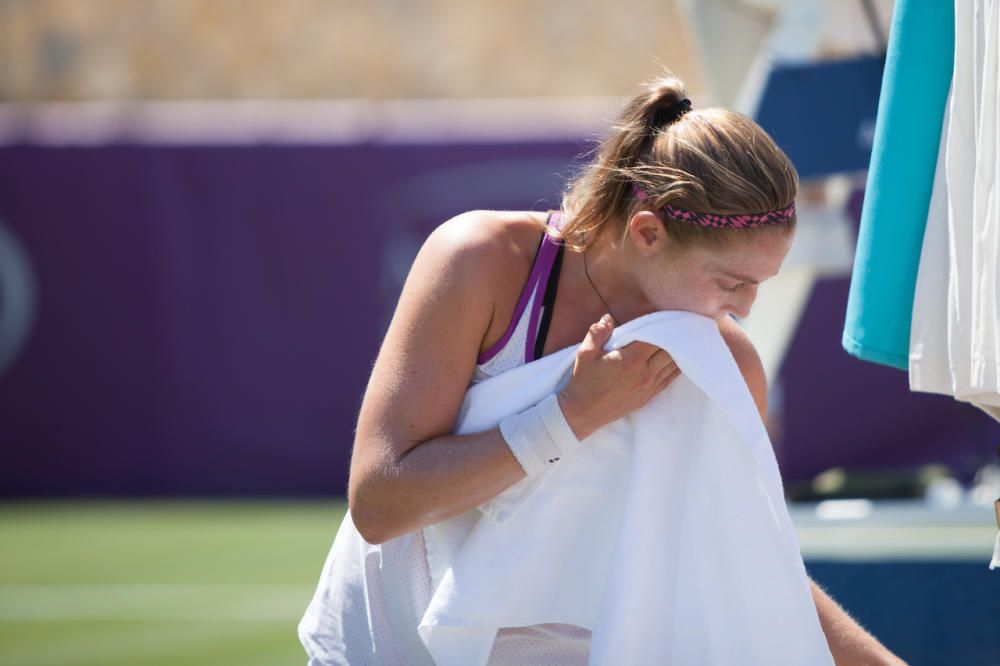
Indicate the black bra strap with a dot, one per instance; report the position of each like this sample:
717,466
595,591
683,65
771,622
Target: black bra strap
548,302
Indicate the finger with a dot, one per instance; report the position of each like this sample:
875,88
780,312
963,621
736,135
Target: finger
643,350
668,373
615,356
637,352
597,335
668,379
659,360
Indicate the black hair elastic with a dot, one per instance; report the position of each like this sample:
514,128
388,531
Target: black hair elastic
671,113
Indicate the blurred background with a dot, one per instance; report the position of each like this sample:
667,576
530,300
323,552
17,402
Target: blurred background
208,209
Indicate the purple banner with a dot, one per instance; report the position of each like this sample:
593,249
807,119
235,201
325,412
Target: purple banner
202,320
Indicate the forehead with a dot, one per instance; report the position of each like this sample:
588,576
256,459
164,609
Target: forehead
758,260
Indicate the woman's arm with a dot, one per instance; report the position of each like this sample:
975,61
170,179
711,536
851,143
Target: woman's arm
407,470
849,643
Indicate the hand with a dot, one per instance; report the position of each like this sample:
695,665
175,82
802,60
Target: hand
606,387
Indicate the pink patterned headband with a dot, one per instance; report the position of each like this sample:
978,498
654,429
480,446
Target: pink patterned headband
740,221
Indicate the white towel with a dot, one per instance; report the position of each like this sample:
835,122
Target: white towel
666,533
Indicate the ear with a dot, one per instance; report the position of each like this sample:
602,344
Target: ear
647,232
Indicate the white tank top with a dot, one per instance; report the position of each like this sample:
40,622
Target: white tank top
397,585
555,644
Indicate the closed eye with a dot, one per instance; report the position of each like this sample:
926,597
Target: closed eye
736,288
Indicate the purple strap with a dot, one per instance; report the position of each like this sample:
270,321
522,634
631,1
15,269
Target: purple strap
548,252
536,282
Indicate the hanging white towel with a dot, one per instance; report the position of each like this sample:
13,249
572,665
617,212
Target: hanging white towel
955,329
666,534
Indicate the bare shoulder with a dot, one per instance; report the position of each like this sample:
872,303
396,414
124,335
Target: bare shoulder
461,269
748,361
496,250
495,235
481,250
429,351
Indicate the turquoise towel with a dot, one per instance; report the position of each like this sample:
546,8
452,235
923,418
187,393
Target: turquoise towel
915,85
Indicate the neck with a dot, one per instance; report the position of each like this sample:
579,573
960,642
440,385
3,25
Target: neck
608,267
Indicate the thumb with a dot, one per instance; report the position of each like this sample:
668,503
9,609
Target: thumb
597,335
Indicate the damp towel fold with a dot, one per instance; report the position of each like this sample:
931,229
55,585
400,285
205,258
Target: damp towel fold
666,534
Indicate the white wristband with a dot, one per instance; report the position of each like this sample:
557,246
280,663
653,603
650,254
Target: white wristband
539,436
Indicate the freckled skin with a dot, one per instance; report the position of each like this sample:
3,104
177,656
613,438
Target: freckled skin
697,281
407,470
649,272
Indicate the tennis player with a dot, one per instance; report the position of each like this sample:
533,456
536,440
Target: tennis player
680,209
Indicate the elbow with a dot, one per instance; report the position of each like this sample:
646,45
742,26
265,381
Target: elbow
382,501
370,529
369,515
365,520
371,537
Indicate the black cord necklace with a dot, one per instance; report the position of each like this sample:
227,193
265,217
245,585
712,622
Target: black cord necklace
587,273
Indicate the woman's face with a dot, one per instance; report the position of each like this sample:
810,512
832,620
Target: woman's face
711,282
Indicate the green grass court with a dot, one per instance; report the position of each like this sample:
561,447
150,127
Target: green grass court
159,583
225,583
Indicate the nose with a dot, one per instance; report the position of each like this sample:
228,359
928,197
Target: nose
741,313
742,309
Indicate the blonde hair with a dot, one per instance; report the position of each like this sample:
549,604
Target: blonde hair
709,160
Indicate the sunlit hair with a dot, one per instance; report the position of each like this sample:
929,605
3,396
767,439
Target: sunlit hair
708,160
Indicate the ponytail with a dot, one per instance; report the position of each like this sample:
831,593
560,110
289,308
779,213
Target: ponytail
707,160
